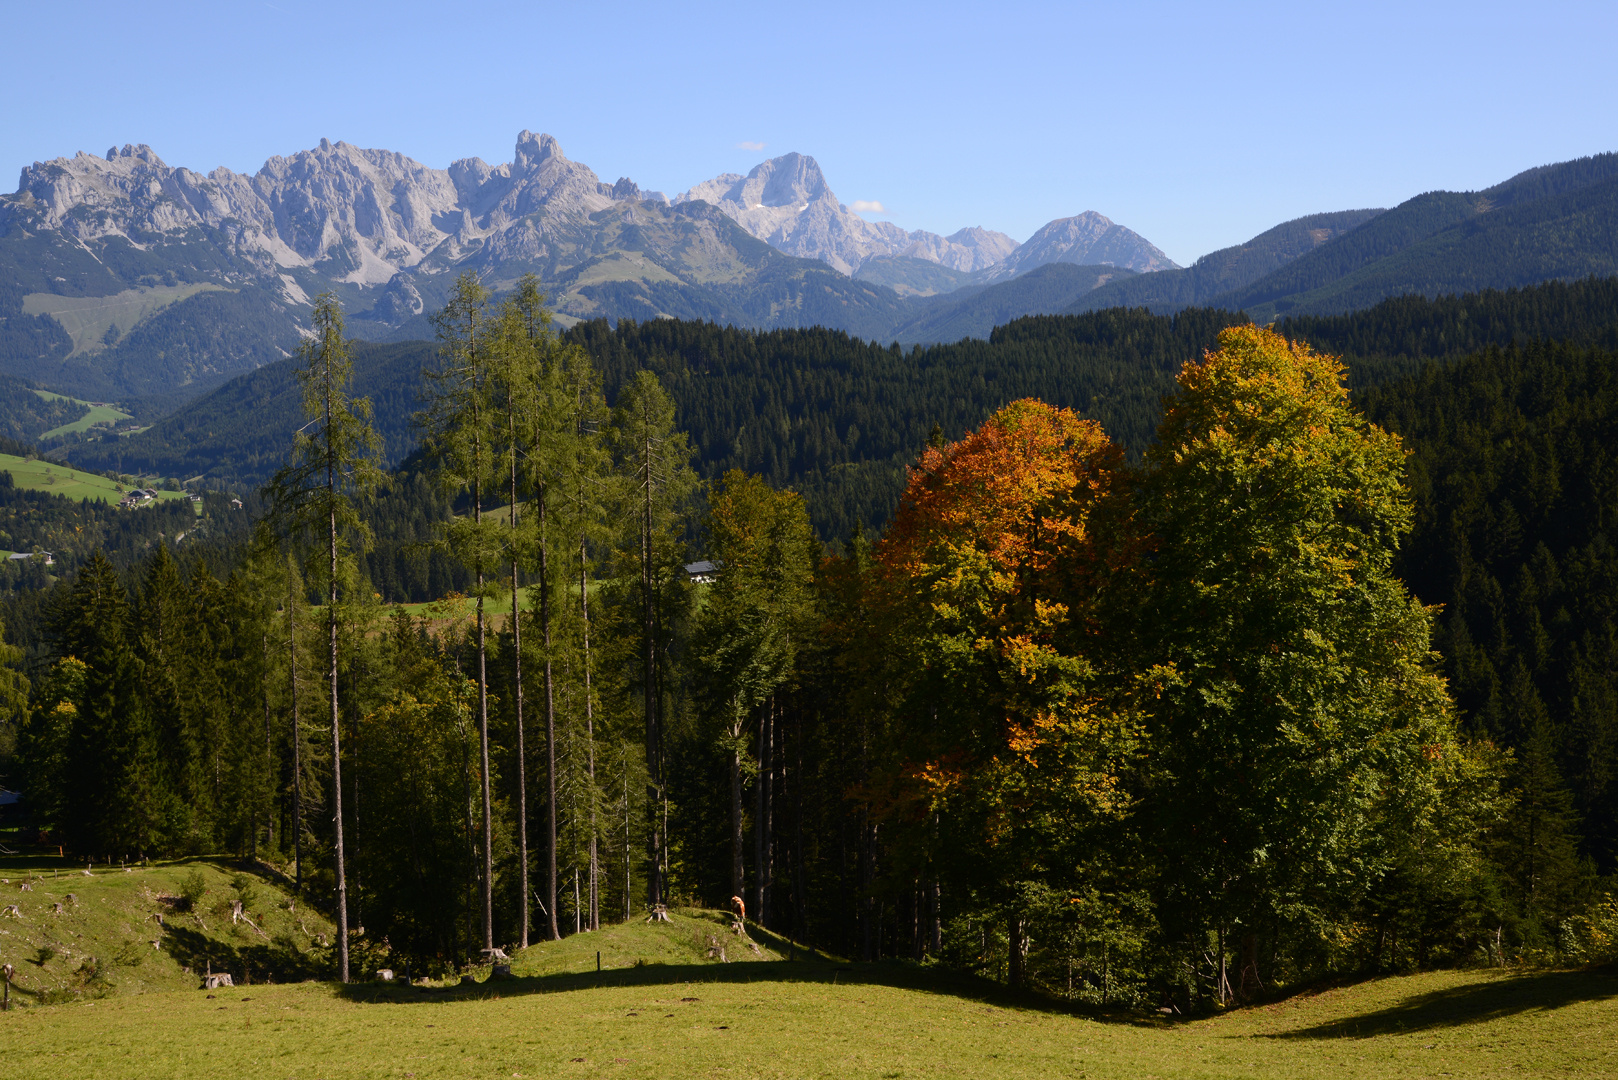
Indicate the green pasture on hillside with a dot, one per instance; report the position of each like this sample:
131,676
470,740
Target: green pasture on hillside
666,1005
41,475
98,414
81,934
810,1019
91,320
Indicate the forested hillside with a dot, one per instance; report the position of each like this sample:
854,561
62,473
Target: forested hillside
25,415
1147,727
1515,479
1554,222
1229,268
837,417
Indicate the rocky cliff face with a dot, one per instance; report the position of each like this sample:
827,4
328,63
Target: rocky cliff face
358,216
361,217
787,203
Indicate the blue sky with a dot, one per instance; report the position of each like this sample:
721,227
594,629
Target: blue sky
1197,125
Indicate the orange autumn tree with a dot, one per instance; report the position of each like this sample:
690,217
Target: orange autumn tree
989,589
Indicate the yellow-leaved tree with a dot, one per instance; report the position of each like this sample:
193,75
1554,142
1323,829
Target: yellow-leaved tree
1303,751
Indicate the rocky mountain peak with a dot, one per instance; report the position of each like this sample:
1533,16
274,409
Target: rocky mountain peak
534,150
1089,239
136,151
792,180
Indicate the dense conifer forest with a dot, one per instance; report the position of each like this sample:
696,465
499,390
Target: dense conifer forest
1082,658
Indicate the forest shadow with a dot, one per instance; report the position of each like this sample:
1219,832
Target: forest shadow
275,960
1480,1002
892,975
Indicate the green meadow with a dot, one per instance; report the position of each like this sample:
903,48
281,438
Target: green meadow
98,414
40,475
666,1004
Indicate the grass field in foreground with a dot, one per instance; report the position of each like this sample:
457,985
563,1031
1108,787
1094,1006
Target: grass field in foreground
41,475
810,1019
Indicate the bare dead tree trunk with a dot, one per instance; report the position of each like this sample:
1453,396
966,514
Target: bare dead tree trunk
800,925
1016,948
763,816
738,869
336,712
1249,983
654,854
264,685
935,918
354,767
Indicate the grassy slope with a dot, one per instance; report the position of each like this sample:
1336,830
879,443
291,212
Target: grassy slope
98,414
41,475
87,318
112,923
683,1015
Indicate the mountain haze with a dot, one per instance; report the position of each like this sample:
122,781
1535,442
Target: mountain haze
1226,269
1555,222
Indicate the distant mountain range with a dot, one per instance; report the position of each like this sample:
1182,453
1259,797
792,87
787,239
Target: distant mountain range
1553,223
121,277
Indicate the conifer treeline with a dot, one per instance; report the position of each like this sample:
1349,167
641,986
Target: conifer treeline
1154,732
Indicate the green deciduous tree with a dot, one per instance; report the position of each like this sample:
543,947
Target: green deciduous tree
754,623
1296,697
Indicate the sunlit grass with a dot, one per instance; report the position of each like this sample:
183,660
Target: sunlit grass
662,1007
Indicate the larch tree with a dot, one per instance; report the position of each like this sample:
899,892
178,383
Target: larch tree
584,485
315,495
460,427
517,383
654,459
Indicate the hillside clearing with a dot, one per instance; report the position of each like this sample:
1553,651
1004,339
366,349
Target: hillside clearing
89,319
38,474
98,414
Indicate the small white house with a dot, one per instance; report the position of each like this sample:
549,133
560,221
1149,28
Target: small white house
702,572
50,560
